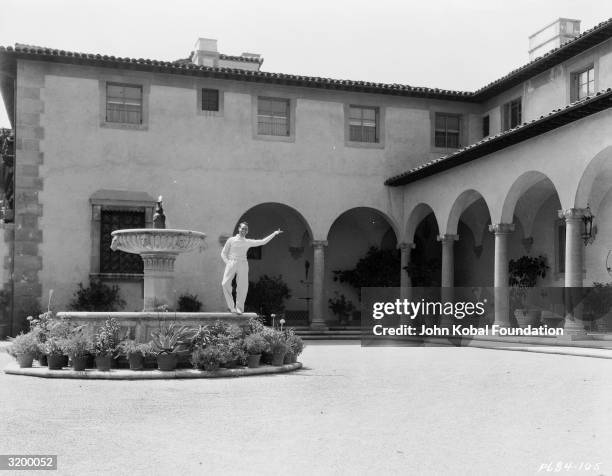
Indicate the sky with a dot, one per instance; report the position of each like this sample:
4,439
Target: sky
460,45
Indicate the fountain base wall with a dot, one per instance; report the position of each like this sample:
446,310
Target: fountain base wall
140,324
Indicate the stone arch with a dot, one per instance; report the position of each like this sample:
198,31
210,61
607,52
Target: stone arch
462,203
518,188
390,221
595,180
417,215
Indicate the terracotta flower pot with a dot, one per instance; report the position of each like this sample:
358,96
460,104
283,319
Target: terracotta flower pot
103,362
25,360
55,361
136,361
79,362
253,361
278,358
290,358
167,362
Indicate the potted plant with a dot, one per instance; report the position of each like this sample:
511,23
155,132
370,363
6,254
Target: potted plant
24,348
106,344
60,329
165,343
236,353
135,353
78,347
277,346
39,326
295,346
54,352
523,274
207,358
254,344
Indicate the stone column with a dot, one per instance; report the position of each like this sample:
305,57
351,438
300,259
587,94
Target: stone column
405,281
318,277
448,275
574,252
448,260
158,280
500,272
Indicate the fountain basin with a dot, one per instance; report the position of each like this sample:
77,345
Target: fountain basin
156,240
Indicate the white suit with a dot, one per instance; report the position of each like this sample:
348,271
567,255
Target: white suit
234,254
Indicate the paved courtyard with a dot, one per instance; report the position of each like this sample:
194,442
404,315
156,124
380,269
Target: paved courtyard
351,410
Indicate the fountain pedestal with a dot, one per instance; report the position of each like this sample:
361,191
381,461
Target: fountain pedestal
158,280
158,249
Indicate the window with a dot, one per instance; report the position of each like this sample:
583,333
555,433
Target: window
447,130
583,84
123,103
210,99
273,116
485,126
119,261
363,124
512,114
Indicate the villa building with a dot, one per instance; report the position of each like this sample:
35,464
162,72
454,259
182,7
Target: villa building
468,180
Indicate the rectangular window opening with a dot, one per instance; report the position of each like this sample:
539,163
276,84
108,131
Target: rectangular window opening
363,124
273,116
210,99
123,103
447,130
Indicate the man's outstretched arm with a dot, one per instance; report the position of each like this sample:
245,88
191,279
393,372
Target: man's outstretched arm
265,240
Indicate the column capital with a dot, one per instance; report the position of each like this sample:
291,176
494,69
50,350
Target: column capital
447,238
319,243
572,213
501,228
406,246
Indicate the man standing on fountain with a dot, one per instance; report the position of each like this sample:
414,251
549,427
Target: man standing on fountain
234,254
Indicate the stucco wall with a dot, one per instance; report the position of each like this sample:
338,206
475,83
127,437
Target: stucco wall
209,168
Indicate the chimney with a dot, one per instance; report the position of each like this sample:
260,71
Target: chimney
552,36
205,52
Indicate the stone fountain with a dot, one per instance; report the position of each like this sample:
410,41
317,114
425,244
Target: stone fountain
159,247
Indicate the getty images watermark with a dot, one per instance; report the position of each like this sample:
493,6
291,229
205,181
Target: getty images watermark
455,310
393,314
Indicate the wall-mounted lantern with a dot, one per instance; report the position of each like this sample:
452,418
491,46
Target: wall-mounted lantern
587,232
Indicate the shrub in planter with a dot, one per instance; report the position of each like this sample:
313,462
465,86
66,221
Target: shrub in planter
134,352
207,358
106,342
24,348
79,347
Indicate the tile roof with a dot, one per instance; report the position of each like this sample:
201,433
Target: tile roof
62,56
586,40
555,119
